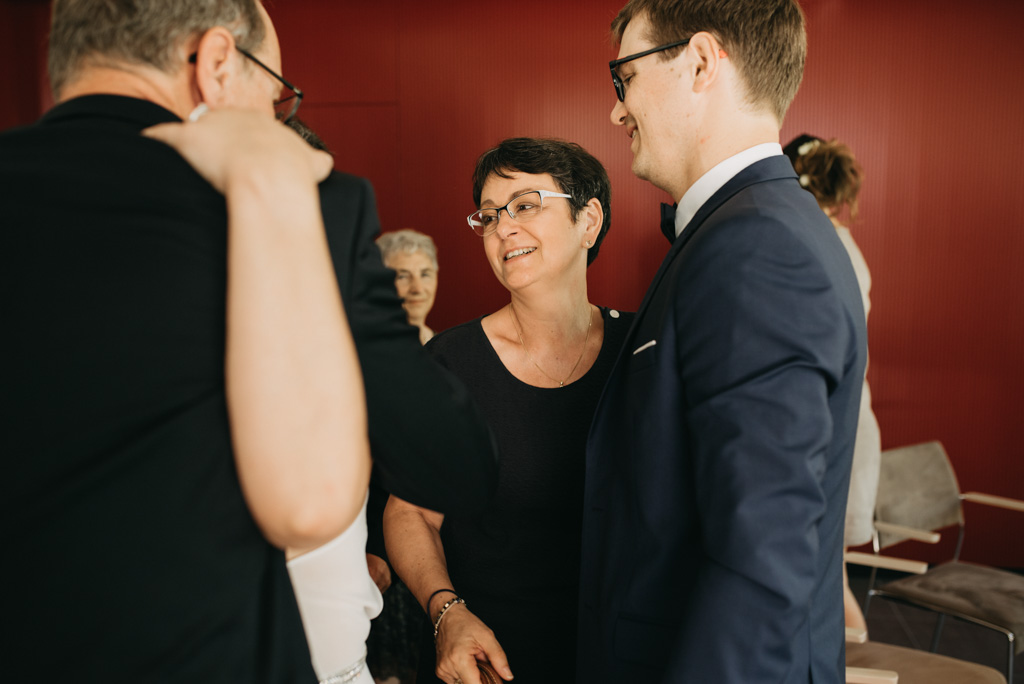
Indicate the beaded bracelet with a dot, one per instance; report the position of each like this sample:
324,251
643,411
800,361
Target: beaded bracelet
348,675
444,609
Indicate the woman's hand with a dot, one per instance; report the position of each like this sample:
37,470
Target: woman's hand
226,144
413,538
462,639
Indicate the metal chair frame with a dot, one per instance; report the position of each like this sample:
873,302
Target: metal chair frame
940,611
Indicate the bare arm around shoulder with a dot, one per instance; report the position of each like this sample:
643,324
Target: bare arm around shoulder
413,538
294,389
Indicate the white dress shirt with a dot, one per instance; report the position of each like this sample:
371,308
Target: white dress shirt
720,174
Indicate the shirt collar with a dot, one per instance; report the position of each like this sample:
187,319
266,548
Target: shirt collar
131,111
720,174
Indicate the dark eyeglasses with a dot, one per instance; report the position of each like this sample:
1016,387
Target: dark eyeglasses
620,87
284,107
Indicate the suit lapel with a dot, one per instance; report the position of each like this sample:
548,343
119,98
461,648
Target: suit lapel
772,168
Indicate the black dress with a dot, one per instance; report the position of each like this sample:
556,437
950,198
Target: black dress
517,564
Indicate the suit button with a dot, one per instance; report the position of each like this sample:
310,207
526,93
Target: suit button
613,313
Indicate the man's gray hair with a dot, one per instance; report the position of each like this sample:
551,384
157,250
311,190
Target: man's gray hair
406,241
143,32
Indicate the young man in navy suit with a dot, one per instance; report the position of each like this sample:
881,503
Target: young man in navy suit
719,458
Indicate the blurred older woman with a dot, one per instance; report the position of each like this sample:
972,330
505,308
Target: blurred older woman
392,643
413,257
502,587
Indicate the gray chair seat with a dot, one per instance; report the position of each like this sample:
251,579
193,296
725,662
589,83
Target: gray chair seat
919,667
985,594
918,497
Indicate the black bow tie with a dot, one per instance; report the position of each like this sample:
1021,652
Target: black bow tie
668,221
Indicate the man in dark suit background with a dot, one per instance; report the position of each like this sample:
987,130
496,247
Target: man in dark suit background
138,555
719,458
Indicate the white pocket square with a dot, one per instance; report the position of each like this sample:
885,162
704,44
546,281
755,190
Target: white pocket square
645,345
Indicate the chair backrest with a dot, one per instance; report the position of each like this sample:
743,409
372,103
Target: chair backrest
917,488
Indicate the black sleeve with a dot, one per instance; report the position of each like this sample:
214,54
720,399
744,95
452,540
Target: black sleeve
375,519
430,443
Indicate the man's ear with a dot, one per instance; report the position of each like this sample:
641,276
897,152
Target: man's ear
708,57
216,64
593,216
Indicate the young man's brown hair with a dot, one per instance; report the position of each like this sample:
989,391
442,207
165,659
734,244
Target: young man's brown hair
764,38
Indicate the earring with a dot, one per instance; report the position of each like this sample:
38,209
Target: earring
588,243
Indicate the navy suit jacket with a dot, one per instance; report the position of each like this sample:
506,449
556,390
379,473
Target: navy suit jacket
719,459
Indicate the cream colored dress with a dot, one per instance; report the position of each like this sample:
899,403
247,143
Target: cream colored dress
337,599
867,453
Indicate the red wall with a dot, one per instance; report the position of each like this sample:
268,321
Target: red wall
23,84
410,97
926,93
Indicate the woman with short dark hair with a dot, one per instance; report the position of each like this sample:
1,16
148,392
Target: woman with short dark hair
503,586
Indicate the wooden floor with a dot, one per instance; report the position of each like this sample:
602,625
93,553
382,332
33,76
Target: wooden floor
892,623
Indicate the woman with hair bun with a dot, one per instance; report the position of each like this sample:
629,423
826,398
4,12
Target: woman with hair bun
828,170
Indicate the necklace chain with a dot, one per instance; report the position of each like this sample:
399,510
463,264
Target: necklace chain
561,383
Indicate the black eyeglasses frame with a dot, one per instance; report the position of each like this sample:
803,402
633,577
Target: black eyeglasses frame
620,87
296,95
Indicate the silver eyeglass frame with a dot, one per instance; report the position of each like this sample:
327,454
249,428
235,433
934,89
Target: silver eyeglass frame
544,194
